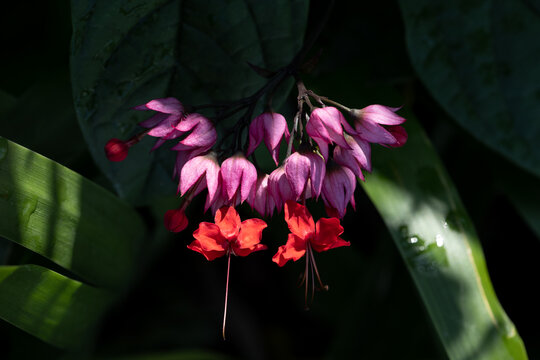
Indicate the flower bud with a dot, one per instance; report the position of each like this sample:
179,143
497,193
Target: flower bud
116,150
175,220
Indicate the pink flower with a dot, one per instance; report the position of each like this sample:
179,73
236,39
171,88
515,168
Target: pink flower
356,157
162,125
301,167
260,199
369,121
325,127
239,177
280,188
338,188
199,173
202,134
270,126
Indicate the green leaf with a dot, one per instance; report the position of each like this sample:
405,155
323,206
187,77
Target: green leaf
125,53
479,60
58,310
422,209
57,213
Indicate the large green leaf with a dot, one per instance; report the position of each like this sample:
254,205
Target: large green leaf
479,60
58,310
57,213
125,53
425,216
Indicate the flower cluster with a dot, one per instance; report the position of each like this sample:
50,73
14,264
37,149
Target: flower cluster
327,150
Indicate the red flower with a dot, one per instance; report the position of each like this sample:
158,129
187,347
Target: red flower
306,235
228,235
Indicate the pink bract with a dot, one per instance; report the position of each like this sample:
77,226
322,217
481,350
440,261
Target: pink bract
261,199
199,173
369,123
301,167
338,188
271,127
325,127
239,177
357,157
170,112
280,188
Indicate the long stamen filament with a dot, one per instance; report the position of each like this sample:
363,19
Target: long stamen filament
312,277
226,293
314,265
306,278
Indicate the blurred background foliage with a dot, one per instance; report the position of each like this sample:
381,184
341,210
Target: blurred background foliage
463,71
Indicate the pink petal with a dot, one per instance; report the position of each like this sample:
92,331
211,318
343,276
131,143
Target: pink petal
327,123
297,169
256,133
238,174
338,188
356,158
279,187
274,129
374,133
166,105
191,172
381,114
153,120
165,127
317,171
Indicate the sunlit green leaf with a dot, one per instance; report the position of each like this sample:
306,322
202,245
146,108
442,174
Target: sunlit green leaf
58,310
57,213
422,209
125,53
479,60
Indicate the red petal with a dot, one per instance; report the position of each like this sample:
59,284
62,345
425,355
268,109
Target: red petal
299,220
294,249
327,235
210,238
209,255
228,221
249,238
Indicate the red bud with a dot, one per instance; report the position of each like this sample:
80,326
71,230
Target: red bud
175,220
116,150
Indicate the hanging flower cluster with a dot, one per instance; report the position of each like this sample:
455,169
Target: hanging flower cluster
328,148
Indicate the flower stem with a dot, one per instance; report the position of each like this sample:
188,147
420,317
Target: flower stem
226,294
